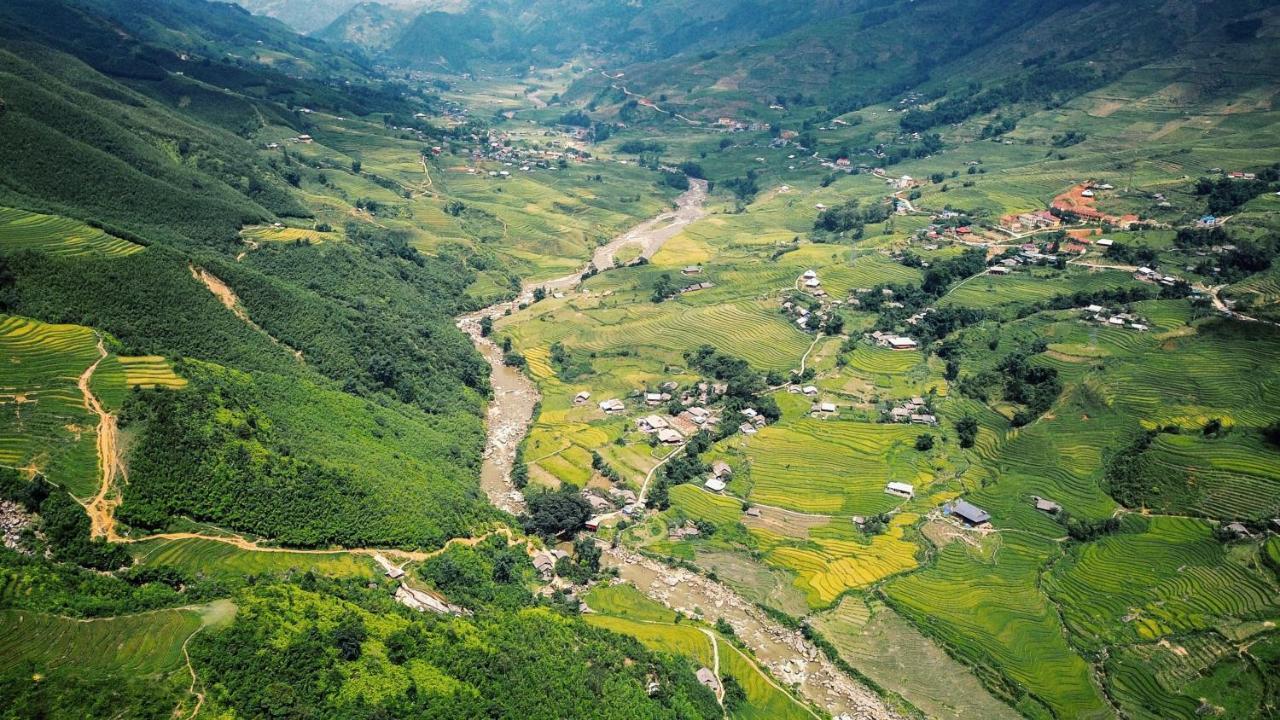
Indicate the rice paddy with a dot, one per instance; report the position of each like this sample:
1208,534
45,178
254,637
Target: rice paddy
44,423
218,560
147,643
22,230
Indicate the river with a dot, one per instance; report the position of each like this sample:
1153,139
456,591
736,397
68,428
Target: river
510,413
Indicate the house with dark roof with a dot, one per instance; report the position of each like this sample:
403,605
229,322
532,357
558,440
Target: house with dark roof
969,513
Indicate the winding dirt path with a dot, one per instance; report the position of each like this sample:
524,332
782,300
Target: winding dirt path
231,301
510,414
101,508
715,663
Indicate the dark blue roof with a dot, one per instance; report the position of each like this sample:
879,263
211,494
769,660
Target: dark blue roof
970,513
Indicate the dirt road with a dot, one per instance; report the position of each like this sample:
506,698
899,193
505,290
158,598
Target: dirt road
514,395
101,508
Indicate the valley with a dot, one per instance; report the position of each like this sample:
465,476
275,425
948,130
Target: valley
850,360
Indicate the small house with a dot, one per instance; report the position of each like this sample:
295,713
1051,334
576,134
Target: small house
1094,309
1047,506
581,397
901,489
747,429
593,524
709,679
810,390
999,270
972,515
753,512
652,423
827,407
668,436
692,270
699,415
545,564
715,485
1105,242
810,274
721,469
812,282
652,399
903,343
612,406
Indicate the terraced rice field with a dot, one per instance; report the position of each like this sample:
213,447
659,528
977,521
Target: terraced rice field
623,609
43,420
143,644
892,652
829,467
22,230
1184,681
1234,477
1187,581
753,331
209,558
269,234
990,612
825,558
116,375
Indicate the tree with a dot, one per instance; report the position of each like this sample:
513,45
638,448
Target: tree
348,636
924,442
967,429
556,513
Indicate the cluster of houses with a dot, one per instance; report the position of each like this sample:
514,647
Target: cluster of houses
914,411
800,312
1104,316
1151,275
719,477
893,341
824,408
656,425
754,421
1028,221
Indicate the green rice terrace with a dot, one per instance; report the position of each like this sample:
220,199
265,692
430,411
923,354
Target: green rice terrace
878,360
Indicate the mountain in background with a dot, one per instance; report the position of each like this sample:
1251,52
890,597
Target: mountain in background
522,32
989,54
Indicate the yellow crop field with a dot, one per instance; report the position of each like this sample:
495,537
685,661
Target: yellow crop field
22,230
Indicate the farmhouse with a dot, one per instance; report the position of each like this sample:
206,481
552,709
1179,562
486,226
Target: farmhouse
901,489
812,282
652,423
593,524
692,270
810,274
698,415
545,564
999,270
581,397
715,485
1105,242
652,399
827,407
709,679
753,512
612,406
972,515
1047,506
669,437
902,343
721,469
810,390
